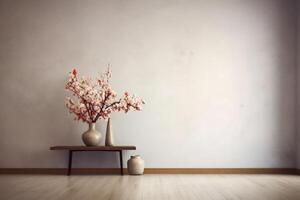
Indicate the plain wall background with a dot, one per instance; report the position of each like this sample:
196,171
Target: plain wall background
218,78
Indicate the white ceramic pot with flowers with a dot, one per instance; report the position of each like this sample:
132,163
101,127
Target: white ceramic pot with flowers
95,100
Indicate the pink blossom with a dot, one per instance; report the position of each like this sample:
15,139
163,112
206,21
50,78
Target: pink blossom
96,99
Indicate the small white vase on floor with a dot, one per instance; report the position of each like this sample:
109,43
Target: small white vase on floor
135,165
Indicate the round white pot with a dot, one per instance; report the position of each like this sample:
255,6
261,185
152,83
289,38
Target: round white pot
135,165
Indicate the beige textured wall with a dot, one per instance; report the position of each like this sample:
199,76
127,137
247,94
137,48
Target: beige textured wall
219,79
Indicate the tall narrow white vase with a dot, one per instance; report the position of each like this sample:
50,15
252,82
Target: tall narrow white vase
109,140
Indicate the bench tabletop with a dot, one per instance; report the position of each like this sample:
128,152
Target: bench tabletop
93,148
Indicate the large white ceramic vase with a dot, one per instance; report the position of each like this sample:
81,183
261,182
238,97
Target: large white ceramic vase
91,137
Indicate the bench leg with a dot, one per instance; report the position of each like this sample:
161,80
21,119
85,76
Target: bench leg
70,162
121,162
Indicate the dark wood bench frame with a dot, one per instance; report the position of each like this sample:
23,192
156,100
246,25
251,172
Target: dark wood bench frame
72,149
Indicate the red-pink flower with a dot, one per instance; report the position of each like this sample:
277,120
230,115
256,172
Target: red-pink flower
74,72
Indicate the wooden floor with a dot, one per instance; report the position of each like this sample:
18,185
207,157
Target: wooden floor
150,187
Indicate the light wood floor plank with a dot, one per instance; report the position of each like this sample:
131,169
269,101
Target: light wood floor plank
150,187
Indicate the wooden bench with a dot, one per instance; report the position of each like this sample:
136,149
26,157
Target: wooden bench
72,149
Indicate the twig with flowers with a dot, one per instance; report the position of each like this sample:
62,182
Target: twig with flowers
95,99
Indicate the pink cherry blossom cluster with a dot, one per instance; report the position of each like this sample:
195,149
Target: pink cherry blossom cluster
96,99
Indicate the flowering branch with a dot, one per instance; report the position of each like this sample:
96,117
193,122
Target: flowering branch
97,100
